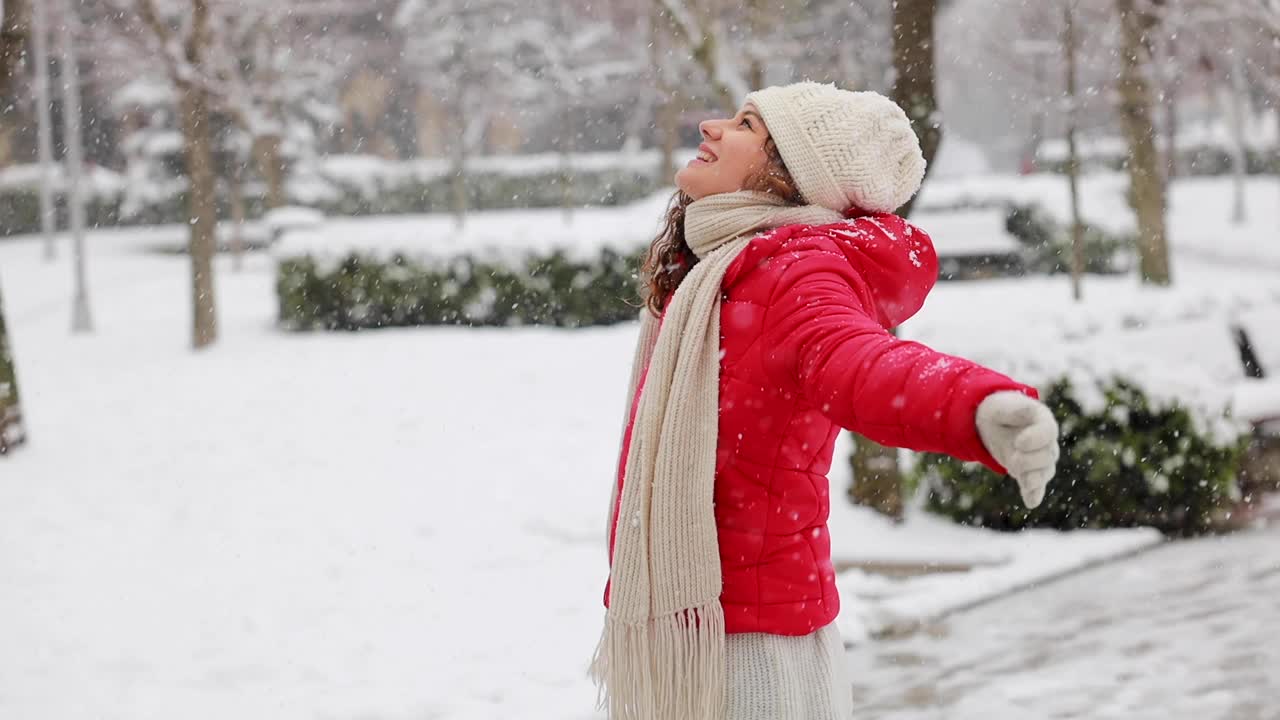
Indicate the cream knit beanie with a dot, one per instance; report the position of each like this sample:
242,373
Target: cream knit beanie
843,148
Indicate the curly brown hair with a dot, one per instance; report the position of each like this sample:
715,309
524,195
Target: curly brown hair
670,257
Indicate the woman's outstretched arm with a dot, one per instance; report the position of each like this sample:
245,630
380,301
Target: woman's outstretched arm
825,342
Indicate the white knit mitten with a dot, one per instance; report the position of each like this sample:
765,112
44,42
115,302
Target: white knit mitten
1021,434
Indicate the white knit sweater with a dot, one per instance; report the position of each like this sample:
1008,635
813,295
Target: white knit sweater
779,677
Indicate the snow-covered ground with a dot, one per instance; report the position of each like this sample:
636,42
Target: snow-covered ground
409,523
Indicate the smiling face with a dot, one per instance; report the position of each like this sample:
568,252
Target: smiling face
732,153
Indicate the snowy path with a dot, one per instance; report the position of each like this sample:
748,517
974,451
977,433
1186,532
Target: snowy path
1186,631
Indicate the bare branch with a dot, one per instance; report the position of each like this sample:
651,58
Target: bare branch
147,11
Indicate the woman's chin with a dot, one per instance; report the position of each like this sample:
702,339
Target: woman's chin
681,180
687,183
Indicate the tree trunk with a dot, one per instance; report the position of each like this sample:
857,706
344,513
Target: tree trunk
645,114
1238,96
877,480
703,36
1147,189
1169,81
669,128
757,21
566,161
1171,129
1073,155
12,433
459,182
237,218
266,152
44,130
197,150
707,53
17,40
458,196
14,29
915,78
666,113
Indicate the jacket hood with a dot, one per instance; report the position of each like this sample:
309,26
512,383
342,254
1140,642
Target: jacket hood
894,262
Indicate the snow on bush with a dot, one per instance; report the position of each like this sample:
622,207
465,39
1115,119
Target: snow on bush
1129,459
363,291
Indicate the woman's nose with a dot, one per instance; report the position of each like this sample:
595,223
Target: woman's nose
707,128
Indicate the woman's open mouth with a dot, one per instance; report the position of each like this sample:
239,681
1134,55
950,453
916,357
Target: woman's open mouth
705,156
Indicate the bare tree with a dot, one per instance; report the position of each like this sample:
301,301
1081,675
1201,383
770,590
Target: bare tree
451,46
44,127
1254,44
1147,184
269,68
993,48
1073,159
915,75
14,27
16,50
877,479
12,431
1237,98
179,36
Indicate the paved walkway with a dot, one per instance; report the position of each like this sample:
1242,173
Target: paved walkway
1189,630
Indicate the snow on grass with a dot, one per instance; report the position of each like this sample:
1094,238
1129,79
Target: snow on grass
288,526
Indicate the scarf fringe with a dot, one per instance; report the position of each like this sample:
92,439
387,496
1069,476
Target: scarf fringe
666,668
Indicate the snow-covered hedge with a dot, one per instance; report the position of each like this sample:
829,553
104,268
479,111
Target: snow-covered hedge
20,211
401,277
1203,160
1048,243
11,430
1129,458
348,186
355,185
362,291
20,198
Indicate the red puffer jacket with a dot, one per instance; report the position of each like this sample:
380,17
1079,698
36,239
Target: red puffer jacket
806,353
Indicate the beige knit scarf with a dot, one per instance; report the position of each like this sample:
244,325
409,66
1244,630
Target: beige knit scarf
661,654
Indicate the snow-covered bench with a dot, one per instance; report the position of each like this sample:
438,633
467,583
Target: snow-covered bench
281,220
1257,400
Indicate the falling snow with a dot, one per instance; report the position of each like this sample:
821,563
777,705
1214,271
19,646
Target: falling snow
379,524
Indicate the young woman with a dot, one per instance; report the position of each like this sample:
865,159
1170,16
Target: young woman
771,290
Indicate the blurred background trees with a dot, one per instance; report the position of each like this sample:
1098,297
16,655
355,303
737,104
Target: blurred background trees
213,112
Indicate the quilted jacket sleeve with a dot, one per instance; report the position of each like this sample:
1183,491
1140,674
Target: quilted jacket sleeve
825,342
